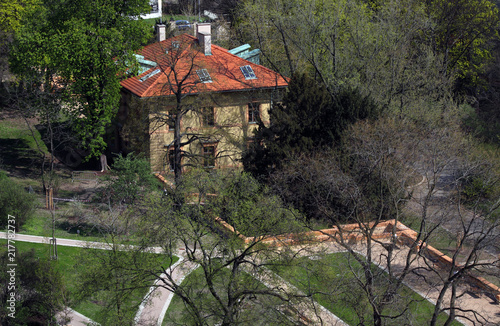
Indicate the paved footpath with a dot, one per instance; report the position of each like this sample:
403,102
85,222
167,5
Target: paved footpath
152,312
157,300
155,305
77,319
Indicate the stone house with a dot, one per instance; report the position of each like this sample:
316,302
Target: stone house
212,97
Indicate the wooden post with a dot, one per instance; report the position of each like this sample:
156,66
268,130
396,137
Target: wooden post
51,199
53,248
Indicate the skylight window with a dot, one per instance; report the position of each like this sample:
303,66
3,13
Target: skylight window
151,74
248,72
204,76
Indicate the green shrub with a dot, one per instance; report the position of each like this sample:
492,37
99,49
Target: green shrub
129,179
476,188
39,289
14,200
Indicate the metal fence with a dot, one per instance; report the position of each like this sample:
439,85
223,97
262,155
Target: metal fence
84,176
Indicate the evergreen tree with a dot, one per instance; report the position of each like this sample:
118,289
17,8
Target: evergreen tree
308,119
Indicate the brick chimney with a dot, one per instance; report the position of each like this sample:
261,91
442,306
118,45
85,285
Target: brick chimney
204,36
161,33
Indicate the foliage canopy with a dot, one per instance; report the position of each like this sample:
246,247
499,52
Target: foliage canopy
39,290
14,200
83,51
308,119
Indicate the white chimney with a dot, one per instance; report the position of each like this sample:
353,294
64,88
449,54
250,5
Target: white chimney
203,33
161,32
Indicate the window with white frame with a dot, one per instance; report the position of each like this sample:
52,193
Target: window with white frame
253,112
204,76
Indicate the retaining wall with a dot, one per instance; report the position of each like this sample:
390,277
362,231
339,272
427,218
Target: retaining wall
409,238
352,233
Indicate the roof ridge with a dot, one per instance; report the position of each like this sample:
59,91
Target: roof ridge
234,55
227,79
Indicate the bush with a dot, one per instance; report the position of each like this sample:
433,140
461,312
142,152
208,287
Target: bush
39,290
14,200
129,179
476,188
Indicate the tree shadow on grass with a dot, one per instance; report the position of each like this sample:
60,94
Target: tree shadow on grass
83,229
66,148
17,157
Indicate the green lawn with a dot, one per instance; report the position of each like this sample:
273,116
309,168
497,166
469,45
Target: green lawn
261,310
68,225
40,224
69,265
18,130
332,282
20,155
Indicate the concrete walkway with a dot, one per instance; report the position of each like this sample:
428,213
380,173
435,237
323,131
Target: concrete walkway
156,302
75,318
70,242
155,305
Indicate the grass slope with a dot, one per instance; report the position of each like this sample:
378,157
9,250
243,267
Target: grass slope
332,281
68,264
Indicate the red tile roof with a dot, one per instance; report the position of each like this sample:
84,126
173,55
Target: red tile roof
180,65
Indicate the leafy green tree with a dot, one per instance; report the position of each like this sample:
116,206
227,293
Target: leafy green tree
129,179
38,287
464,32
12,11
370,47
86,46
308,119
14,200
228,295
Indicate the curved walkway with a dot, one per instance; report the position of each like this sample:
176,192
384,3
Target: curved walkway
156,302
73,317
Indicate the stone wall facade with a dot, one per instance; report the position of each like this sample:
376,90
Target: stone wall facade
145,128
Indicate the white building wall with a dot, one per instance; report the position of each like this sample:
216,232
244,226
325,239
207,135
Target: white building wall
155,10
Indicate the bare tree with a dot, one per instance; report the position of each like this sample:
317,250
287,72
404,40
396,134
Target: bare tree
35,97
182,97
228,289
373,181
347,43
